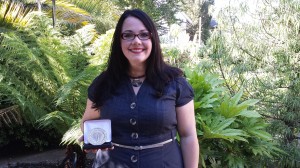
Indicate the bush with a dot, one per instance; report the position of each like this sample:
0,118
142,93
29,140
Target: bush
230,132
21,138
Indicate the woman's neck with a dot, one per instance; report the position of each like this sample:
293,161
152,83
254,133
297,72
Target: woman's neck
137,72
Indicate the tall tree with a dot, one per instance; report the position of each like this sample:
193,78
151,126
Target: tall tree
205,20
199,13
162,11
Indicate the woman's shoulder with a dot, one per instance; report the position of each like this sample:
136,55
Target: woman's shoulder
96,82
181,83
179,80
100,76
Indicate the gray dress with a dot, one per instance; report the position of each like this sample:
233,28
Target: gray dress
144,119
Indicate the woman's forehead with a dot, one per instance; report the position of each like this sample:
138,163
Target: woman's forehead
133,24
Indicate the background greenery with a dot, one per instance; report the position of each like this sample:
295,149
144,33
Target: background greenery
245,73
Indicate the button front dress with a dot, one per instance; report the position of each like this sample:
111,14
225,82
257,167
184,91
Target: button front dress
143,119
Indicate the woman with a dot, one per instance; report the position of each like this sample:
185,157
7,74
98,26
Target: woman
147,101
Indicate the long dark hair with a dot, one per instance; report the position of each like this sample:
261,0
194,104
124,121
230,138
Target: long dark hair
157,71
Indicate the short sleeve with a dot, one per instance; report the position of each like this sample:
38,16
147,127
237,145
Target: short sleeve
92,89
184,92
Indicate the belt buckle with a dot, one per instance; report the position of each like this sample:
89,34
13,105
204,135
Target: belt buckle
138,147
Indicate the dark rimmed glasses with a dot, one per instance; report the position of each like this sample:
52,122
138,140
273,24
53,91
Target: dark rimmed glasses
131,36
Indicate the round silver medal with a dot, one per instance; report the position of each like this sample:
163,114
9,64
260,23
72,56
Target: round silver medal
97,136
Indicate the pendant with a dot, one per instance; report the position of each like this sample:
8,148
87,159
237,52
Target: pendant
136,82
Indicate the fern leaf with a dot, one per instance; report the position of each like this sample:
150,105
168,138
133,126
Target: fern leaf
72,135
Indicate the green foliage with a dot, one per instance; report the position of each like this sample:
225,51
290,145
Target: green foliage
40,67
10,115
45,72
18,59
14,13
71,96
73,134
27,82
67,16
199,12
58,120
162,12
181,55
27,137
262,54
173,57
104,14
230,132
101,49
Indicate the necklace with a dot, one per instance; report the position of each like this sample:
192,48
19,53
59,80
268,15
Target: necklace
136,81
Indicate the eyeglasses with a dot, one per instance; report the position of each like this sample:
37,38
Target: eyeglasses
131,36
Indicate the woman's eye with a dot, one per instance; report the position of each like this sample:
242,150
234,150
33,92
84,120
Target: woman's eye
144,35
128,35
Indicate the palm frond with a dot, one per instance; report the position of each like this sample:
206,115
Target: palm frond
104,16
14,13
68,12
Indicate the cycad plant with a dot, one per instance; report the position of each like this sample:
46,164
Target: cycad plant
230,132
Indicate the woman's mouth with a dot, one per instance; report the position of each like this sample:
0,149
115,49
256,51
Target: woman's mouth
137,50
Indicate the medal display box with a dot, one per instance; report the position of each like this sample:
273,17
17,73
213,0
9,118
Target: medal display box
97,134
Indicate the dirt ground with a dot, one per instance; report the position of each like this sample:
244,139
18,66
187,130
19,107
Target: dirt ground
51,158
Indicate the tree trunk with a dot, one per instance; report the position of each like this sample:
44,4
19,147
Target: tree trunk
39,4
200,23
53,13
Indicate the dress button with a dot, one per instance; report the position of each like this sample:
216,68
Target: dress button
132,121
134,158
132,105
134,135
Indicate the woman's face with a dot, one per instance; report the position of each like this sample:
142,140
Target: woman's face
135,41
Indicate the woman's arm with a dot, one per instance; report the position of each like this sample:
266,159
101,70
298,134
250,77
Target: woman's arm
188,135
89,113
